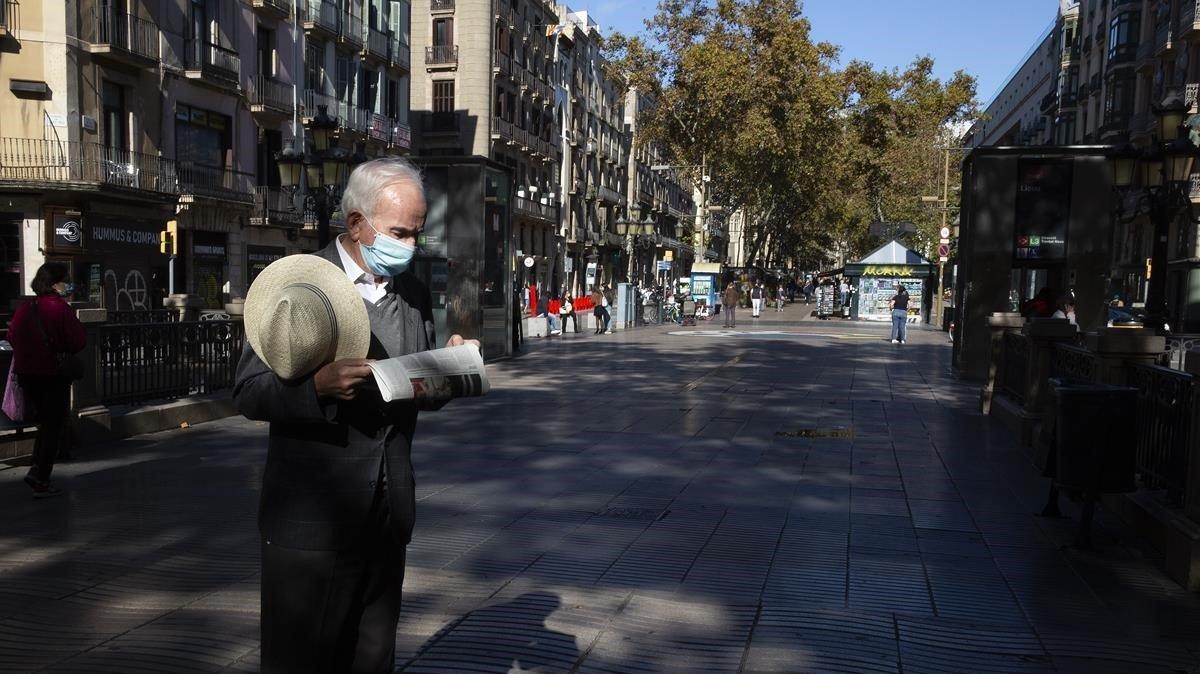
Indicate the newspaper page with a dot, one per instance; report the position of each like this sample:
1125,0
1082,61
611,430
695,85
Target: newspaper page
440,374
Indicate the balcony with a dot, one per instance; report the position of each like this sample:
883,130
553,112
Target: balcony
312,102
441,55
123,38
351,118
609,195
281,9
401,136
321,17
350,33
379,128
538,211
1121,56
399,53
211,64
1068,100
269,97
1163,40
1049,101
375,45
441,5
503,130
275,208
203,181
1070,55
47,164
10,14
1189,18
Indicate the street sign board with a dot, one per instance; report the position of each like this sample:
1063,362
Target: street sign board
944,241
945,233
943,259
943,251
664,265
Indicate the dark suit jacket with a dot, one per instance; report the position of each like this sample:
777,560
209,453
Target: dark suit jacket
324,456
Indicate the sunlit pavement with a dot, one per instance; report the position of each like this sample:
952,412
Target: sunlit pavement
817,499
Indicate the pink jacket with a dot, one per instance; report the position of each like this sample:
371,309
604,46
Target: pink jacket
31,354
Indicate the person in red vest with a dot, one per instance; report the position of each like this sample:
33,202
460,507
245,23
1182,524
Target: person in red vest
43,331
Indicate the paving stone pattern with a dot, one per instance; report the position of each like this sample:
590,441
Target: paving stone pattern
814,499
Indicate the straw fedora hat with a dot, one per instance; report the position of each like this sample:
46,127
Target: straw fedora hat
303,312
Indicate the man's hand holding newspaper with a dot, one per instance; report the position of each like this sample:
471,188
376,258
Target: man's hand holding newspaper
432,376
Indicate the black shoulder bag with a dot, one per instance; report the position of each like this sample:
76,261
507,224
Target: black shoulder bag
67,365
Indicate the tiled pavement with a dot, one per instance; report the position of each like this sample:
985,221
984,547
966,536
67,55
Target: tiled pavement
640,502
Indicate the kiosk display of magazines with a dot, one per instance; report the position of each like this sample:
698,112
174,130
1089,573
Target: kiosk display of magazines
875,278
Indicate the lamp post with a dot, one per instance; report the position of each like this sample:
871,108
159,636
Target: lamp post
1164,168
323,171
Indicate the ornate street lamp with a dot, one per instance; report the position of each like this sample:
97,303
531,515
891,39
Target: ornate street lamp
323,170
1165,168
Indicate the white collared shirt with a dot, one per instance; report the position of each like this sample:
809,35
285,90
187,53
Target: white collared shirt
365,283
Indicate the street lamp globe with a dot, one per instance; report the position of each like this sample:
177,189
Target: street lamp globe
1170,117
1152,167
333,166
622,225
648,225
1124,161
290,164
1180,155
322,127
312,172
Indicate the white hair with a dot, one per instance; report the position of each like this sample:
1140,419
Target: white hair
369,179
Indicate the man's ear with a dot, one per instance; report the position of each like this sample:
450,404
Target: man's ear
354,223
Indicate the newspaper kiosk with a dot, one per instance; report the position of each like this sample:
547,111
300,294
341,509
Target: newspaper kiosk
706,279
875,278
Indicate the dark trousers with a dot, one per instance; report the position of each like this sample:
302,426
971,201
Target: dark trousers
574,322
333,611
730,315
51,400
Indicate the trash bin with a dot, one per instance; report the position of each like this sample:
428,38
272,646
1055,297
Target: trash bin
1095,447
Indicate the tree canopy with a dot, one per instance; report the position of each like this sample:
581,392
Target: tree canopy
811,152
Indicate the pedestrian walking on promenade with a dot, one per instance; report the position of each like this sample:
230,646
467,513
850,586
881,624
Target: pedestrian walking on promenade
566,311
600,310
757,293
900,315
730,301
338,500
45,335
779,300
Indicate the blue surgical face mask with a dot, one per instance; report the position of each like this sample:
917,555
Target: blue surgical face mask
68,291
387,256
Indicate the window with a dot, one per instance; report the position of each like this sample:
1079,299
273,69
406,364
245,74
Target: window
392,108
314,65
443,32
1119,95
1123,36
265,52
344,82
443,96
368,91
202,136
112,99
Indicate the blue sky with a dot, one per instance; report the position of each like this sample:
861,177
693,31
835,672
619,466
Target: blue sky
986,38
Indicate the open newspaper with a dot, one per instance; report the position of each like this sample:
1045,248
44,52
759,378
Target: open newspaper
440,374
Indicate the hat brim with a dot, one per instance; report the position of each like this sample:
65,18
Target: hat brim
353,323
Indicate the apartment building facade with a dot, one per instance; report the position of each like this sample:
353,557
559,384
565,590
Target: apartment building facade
1096,79
132,113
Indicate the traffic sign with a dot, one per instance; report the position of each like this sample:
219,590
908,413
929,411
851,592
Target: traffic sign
946,241
945,233
943,251
664,265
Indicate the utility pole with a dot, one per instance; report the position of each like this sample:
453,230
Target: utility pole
943,240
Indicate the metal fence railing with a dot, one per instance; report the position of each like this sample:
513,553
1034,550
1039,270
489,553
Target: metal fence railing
441,54
10,12
376,42
271,93
143,316
1074,362
1164,424
321,13
203,55
160,361
1014,365
37,160
215,181
352,29
126,32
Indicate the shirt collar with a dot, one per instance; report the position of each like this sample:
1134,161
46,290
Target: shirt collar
353,271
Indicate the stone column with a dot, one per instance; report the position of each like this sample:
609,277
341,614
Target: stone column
1117,349
1043,334
93,421
999,323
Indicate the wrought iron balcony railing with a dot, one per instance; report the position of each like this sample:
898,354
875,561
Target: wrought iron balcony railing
36,161
217,182
441,5
283,7
399,55
441,55
268,93
10,14
609,194
273,206
209,59
123,32
351,30
376,43
321,15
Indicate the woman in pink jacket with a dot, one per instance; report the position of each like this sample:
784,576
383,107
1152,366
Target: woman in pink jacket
42,330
